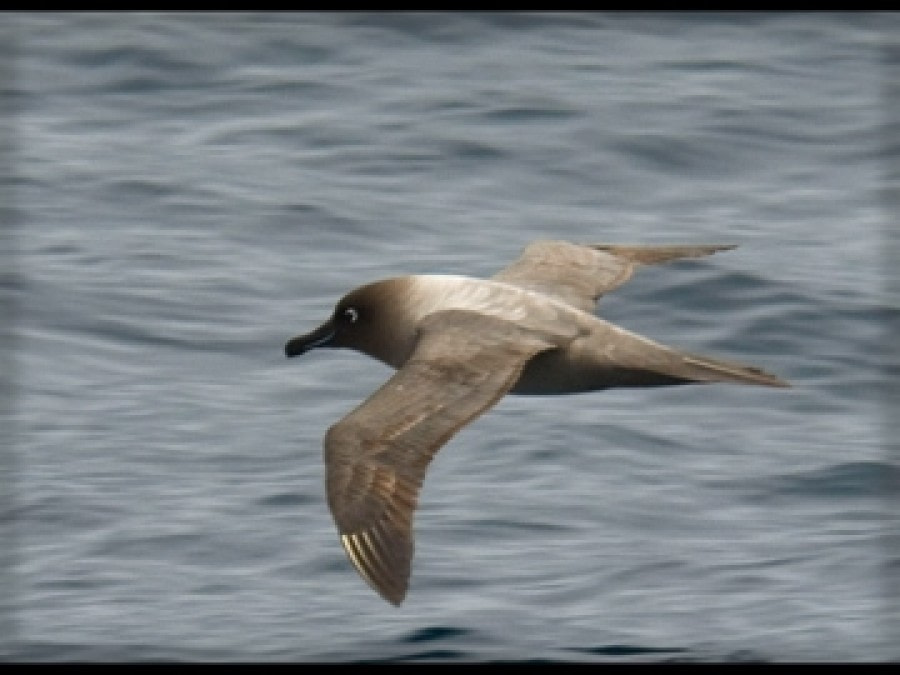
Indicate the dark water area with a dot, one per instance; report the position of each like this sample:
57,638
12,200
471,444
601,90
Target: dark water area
181,193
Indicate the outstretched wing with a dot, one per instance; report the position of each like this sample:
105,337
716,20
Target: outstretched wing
377,455
579,275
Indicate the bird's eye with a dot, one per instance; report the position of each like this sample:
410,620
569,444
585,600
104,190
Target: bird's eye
350,315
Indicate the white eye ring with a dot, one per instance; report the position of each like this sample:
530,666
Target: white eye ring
351,315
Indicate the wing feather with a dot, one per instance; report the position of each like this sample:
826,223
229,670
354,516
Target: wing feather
376,457
579,275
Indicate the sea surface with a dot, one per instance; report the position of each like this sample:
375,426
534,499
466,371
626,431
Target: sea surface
182,193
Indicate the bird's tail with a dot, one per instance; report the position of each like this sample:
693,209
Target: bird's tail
693,367
705,369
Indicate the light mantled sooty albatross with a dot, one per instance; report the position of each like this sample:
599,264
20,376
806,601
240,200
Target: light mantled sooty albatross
459,344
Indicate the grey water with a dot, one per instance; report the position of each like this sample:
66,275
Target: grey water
184,192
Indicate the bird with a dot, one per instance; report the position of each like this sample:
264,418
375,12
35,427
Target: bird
458,345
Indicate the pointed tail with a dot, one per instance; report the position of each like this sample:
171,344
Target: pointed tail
705,369
691,366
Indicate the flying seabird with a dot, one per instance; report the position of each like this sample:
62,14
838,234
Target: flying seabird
459,344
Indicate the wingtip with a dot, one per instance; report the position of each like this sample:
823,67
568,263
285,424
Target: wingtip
649,254
387,579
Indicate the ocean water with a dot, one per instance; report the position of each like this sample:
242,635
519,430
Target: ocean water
182,193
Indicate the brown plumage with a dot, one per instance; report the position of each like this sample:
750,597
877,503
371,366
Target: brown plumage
459,345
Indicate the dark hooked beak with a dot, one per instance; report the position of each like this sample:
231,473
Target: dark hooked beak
320,337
